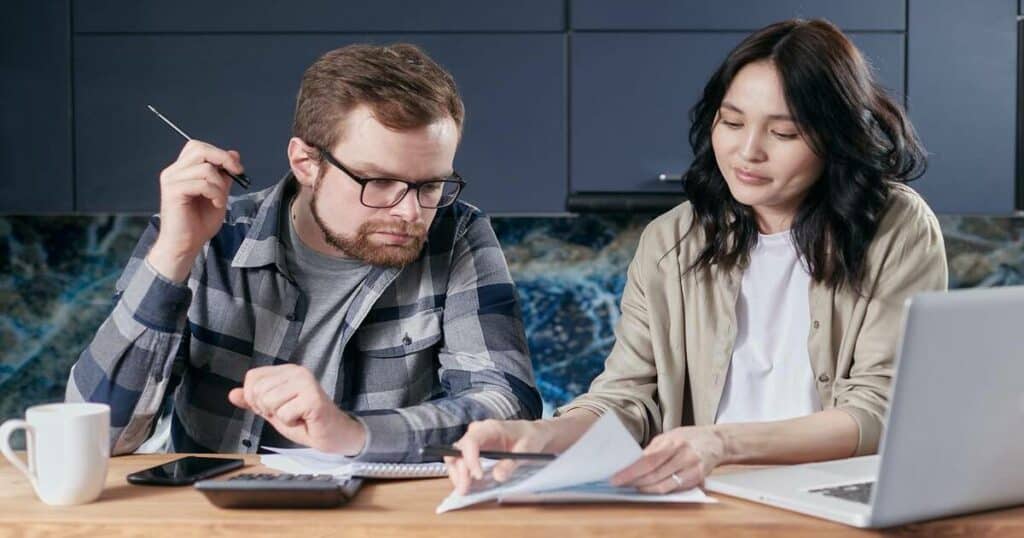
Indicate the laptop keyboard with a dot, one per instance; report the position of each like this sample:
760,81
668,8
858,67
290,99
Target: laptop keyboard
858,493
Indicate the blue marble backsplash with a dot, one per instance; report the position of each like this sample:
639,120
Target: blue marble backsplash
57,275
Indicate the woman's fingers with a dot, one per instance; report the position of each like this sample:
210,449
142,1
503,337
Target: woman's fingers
677,462
459,474
504,469
684,479
654,457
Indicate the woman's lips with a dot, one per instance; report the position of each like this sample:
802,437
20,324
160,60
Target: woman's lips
750,177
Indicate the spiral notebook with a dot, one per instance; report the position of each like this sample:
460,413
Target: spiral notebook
310,461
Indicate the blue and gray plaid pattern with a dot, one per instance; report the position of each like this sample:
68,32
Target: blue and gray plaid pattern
429,348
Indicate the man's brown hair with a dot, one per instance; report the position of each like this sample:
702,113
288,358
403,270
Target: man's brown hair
403,87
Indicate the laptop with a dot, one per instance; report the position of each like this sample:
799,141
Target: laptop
955,436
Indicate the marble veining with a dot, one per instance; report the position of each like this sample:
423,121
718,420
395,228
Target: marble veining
57,274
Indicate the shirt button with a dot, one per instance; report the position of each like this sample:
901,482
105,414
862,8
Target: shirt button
246,443
816,324
407,340
290,317
823,378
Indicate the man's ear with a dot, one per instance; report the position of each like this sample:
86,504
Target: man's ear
305,166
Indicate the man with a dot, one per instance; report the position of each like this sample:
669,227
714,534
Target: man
361,307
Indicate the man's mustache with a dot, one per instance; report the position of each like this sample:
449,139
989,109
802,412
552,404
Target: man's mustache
412,229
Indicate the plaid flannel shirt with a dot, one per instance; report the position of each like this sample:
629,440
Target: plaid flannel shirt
429,348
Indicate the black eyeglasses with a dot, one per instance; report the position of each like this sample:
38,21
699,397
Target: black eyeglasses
384,192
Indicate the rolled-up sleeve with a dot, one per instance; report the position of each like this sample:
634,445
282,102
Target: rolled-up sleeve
128,363
916,262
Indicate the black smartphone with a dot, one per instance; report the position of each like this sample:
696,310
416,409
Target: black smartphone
184,471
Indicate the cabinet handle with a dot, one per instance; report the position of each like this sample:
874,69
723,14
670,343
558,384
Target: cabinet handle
668,178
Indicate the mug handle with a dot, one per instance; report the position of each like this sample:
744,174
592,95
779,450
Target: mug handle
8,428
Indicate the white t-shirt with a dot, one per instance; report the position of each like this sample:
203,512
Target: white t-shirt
770,376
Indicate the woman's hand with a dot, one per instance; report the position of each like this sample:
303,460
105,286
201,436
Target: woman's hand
508,436
676,460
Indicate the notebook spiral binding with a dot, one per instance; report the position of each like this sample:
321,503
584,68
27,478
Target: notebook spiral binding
400,470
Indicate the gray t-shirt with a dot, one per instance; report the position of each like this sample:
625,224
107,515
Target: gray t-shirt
329,284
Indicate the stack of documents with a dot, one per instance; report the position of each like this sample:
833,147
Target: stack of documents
580,474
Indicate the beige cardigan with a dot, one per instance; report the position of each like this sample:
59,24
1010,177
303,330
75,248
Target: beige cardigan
676,325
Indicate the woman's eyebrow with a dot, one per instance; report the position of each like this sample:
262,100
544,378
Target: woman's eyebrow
734,108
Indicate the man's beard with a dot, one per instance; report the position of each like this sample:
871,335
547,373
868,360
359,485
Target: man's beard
360,246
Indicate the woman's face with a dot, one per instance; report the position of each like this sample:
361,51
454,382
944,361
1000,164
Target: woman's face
765,160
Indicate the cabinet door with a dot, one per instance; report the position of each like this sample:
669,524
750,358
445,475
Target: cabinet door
35,92
238,91
733,15
133,16
631,96
962,84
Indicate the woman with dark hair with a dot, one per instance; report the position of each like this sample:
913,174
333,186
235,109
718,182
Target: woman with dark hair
760,318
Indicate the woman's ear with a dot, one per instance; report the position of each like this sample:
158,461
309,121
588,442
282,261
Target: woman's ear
305,166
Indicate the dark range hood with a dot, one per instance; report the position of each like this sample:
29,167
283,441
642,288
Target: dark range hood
629,201
622,202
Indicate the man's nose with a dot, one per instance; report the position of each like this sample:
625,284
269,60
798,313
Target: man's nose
408,209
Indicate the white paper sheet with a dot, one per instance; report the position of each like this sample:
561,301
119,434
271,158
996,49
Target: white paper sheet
578,474
305,461
605,492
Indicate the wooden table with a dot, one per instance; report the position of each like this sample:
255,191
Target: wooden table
406,508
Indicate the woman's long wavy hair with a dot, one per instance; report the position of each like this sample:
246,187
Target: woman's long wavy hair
848,120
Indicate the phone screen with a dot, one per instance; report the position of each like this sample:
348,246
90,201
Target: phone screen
187,469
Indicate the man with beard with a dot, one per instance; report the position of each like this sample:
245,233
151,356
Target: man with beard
356,307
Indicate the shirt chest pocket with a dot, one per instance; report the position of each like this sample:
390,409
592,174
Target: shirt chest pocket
400,338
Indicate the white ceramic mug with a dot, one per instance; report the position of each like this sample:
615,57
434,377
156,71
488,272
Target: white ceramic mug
68,446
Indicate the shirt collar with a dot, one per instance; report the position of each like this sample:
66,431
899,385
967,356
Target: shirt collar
262,245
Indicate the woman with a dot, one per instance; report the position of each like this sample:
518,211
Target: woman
760,318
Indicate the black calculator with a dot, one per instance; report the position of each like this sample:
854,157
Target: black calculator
263,490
